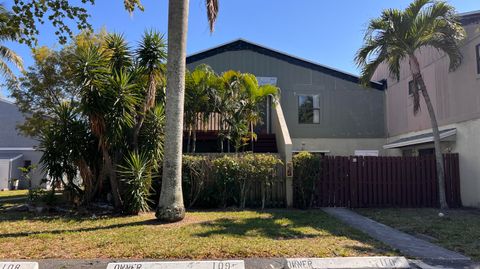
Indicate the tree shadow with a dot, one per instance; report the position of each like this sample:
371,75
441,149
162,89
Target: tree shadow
280,225
87,229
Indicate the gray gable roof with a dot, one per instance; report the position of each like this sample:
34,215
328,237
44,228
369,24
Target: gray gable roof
241,44
10,117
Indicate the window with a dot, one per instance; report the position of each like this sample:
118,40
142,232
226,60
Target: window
477,50
308,109
426,152
411,86
27,163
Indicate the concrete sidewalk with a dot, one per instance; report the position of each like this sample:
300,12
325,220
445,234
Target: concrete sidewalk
405,243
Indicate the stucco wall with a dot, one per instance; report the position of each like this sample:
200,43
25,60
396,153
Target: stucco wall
455,95
339,146
4,174
10,117
346,109
34,157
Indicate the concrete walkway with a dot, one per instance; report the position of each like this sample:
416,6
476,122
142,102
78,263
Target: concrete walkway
405,243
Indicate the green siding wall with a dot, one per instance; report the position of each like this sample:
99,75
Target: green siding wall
346,109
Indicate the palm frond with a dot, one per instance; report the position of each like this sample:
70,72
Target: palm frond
6,71
212,13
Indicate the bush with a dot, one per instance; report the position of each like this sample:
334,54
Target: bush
306,170
196,171
257,167
226,180
226,171
137,177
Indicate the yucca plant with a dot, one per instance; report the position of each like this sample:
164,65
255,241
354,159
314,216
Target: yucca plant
136,175
151,55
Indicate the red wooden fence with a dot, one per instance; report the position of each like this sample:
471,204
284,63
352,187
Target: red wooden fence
385,182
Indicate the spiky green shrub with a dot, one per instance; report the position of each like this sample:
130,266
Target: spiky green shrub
136,174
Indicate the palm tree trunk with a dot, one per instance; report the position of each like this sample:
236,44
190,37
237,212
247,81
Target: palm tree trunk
251,135
112,175
194,134
171,207
220,131
418,80
189,138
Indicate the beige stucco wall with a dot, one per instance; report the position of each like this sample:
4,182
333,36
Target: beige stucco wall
455,95
467,145
284,145
339,146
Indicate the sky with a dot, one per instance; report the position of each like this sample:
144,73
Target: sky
328,32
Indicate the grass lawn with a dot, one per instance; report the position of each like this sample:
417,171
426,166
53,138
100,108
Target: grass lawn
13,194
212,234
458,230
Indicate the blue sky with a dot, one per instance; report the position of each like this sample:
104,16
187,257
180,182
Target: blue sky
327,32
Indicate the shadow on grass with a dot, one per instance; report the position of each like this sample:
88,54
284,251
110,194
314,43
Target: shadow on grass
281,225
88,229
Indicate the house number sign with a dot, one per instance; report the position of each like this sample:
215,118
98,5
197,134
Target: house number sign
228,264
18,265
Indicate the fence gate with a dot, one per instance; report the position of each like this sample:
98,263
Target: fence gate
385,182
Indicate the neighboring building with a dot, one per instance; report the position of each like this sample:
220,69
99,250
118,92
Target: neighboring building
15,150
456,98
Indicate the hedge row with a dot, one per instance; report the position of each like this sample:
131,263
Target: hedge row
226,180
306,170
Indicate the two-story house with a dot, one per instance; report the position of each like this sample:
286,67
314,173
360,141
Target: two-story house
321,109
456,98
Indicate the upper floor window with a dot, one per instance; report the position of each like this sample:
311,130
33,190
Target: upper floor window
477,50
309,109
411,87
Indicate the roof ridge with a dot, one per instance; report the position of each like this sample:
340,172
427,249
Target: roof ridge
248,45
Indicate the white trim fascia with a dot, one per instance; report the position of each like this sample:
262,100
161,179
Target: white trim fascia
284,53
468,13
22,149
7,101
15,158
312,151
420,140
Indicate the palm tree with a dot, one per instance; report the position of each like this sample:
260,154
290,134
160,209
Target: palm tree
171,207
396,36
8,33
256,96
199,90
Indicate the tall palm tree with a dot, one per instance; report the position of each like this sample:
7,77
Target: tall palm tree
171,207
7,33
396,36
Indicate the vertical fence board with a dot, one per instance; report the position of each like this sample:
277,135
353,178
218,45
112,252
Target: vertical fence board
379,182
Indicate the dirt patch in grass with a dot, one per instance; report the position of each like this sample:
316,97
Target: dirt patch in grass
458,230
202,235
